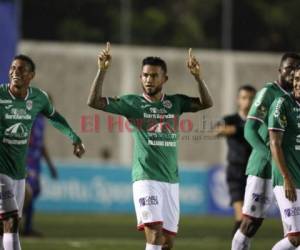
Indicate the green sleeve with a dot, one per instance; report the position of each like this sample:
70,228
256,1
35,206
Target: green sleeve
59,122
186,103
254,139
48,109
277,115
261,104
119,105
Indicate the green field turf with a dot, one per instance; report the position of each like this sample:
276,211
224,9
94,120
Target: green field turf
115,232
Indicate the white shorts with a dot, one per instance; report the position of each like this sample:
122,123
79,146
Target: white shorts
258,197
289,211
157,202
12,193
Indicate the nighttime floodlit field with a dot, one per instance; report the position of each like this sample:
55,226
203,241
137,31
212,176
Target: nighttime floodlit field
115,232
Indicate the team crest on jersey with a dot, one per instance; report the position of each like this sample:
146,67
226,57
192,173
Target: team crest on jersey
282,121
167,104
29,104
262,112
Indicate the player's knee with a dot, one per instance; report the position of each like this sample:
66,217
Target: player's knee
250,226
154,234
11,224
295,240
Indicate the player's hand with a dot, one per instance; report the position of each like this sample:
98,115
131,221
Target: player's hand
53,173
104,58
289,189
79,149
193,64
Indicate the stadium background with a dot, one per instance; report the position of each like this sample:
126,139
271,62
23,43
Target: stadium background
64,38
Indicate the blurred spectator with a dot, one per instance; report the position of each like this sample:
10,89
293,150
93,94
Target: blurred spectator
36,151
232,127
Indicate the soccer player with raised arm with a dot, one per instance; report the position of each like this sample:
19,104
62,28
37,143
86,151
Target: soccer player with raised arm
154,116
284,129
259,193
20,103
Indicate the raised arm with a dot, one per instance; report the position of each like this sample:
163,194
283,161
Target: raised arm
205,99
278,156
95,99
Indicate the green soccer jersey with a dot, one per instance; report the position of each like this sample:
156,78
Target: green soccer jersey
155,132
285,116
16,118
258,164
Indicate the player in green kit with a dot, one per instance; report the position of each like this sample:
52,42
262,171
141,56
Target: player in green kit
154,117
284,129
19,105
259,193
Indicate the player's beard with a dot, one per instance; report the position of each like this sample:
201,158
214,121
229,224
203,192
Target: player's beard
153,92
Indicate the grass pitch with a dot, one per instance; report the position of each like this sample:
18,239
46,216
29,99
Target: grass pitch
115,232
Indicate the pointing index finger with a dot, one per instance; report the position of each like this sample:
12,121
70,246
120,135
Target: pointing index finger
190,52
108,46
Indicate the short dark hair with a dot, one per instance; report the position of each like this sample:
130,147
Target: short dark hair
26,59
155,61
287,55
247,87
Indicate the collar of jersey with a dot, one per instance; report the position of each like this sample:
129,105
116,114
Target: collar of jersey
278,85
149,100
14,98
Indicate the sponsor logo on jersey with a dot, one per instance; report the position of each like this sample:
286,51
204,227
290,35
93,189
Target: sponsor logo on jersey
150,200
159,116
2,101
162,143
17,130
277,107
8,106
6,195
290,212
167,104
161,127
29,104
260,198
158,111
17,114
